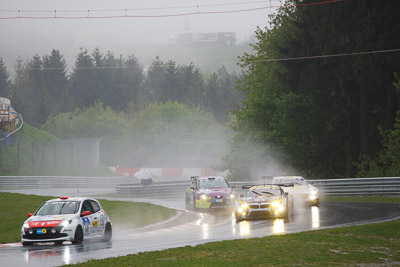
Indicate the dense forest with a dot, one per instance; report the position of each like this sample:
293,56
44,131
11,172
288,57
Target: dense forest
312,97
43,86
318,96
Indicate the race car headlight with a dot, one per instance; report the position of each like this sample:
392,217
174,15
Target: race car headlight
203,197
232,196
244,206
26,225
275,204
65,223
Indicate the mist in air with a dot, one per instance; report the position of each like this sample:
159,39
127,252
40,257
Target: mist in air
68,26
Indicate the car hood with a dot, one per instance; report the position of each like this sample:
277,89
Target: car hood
300,189
261,199
48,220
216,191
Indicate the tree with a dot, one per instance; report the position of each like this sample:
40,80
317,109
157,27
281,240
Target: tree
28,95
320,114
155,82
56,82
222,96
172,134
83,88
5,83
191,84
386,163
96,121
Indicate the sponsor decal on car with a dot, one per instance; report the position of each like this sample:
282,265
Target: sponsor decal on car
44,223
41,231
86,221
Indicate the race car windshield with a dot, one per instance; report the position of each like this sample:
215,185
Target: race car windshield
61,207
265,192
290,181
214,183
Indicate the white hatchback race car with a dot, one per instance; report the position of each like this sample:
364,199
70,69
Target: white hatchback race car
67,219
301,190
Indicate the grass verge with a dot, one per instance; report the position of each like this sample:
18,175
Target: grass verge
365,245
15,207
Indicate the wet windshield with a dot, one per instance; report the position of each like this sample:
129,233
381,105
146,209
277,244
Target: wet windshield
264,192
60,207
213,183
290,181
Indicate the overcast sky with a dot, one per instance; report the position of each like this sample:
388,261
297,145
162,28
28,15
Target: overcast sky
27,36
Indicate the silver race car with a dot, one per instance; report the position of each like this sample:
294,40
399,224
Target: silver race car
67,219
302,190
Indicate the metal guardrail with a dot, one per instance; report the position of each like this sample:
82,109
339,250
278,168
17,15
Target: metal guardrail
15,182
125,188
327,187
359,186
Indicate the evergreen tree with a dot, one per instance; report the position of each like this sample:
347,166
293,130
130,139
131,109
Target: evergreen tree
155,82
83,84
56,82
5,83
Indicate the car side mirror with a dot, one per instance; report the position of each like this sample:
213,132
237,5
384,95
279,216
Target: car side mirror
29,215
192,187
241,195
85,213
286,193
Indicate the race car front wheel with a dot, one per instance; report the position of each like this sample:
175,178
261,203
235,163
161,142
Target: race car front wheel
78,237
27,243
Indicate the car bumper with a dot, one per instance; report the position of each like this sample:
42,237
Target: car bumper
37,235
307,199
262,213
201,204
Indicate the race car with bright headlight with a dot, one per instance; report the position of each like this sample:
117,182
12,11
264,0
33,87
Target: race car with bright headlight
209,192
263,201
302,190
67,219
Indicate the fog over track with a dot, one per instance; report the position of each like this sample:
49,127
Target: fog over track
189,228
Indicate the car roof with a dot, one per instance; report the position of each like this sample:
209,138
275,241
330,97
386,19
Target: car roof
69,199
289,177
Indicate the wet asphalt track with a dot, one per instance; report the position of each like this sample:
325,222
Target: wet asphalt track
191,228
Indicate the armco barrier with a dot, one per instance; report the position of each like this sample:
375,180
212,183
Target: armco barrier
359,186
15,182
124,186
327,187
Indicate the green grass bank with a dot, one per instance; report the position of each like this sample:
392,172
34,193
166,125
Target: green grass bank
15,207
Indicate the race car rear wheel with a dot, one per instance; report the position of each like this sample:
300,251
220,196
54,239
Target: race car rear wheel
107,232
187,204
194,203
78,237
